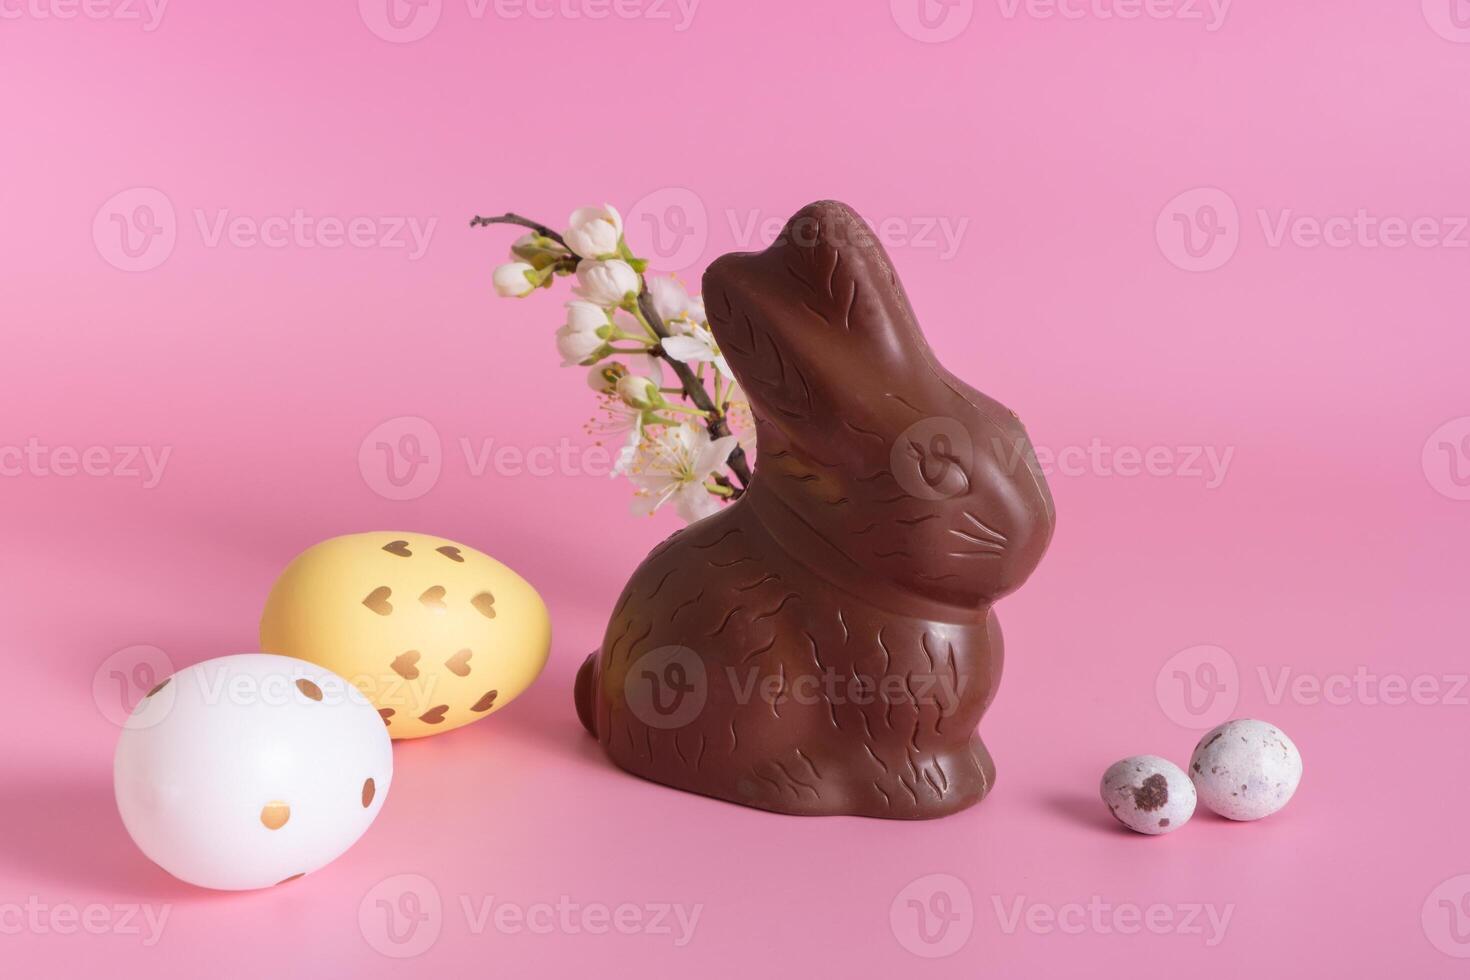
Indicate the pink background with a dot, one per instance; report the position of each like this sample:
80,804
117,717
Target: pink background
1334,545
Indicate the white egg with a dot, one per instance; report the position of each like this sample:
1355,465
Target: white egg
250,770
1148,794
1245,769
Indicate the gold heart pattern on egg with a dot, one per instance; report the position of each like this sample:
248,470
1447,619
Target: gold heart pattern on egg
435,633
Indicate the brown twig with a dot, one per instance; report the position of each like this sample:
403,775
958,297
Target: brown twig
511,218
716,423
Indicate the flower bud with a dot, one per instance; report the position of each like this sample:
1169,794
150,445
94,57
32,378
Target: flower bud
638,391
595,233
541,252
516,279
606,283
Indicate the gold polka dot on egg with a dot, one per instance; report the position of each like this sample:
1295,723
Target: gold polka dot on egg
433,632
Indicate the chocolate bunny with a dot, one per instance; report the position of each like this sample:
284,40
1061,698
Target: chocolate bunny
826,644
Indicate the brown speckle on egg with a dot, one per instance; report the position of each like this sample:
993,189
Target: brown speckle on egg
309,689
369,790
275,814
1153,794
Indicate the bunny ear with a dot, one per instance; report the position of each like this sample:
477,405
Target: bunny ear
807,318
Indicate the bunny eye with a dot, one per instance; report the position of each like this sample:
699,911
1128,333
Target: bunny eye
399,548
451,552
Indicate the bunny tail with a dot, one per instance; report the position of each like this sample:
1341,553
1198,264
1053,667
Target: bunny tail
582,692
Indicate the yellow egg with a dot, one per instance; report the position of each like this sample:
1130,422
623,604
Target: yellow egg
435,633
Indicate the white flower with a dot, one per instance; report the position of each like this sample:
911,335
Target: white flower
606,283
697,344
515,279
675,465
672,301
595,232
581,336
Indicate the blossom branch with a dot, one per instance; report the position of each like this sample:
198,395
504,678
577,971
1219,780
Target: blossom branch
694,389
667,455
